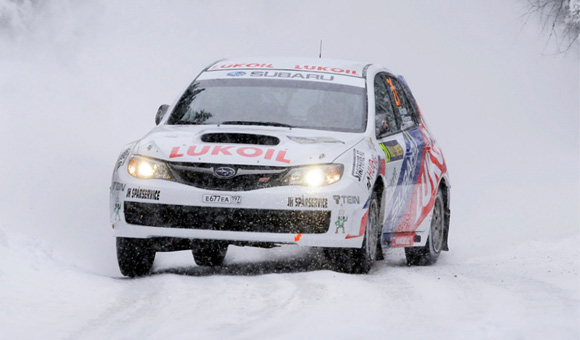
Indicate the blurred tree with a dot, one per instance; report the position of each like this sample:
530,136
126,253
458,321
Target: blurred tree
561,18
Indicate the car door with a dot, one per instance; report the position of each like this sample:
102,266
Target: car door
392,142
404,217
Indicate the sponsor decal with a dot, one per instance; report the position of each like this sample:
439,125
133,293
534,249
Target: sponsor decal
340,220
358,164
250,65
403,240
145,194
122,158
319,68
372,168
291,75
230,150
346,199
117,186
307,202
117,211
314,140
393,150
236,74
228,199
326,69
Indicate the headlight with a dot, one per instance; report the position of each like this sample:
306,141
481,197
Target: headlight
314,176
145,168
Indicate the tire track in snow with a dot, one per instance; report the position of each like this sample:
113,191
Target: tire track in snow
133,301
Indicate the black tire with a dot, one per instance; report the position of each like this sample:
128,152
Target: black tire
361,260
209,253
428,254
135,256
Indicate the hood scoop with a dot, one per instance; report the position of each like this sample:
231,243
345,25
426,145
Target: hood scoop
239,138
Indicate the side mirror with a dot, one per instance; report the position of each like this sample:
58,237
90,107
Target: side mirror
161,113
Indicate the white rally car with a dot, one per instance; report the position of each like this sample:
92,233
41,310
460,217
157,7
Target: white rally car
262,152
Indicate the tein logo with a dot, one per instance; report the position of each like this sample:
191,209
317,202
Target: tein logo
224,172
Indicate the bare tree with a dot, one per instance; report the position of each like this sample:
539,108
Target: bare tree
561,18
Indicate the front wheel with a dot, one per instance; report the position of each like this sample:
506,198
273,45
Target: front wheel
135,256
427,255
209,253
361,260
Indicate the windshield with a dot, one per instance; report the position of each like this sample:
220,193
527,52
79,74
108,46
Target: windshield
289,103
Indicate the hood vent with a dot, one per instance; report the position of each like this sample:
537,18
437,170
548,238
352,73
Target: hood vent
239,138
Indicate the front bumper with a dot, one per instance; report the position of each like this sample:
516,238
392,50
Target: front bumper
330,216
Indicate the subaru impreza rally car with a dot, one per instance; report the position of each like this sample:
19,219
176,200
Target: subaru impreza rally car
263,152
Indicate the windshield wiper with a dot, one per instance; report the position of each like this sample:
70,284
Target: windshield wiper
185,122
246,122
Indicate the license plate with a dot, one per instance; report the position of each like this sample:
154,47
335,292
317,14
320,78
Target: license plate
228,199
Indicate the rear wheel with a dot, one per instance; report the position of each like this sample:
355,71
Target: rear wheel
209,253
361,260
429,254
135,256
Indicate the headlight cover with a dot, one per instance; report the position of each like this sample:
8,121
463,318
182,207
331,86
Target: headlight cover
314,175
147,168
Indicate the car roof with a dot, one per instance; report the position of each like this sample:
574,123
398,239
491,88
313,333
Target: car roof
323,65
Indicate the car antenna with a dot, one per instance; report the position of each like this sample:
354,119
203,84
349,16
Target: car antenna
320,54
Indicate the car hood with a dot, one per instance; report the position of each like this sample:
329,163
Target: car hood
248,145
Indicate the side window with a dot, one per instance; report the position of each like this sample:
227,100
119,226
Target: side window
386,121
402,105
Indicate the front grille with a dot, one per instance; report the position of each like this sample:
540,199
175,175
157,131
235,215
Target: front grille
227,219
248,177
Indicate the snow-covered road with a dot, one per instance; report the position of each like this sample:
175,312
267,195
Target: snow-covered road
528,292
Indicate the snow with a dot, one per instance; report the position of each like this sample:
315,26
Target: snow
527,292
78,80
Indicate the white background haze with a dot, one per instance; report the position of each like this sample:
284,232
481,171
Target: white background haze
80,79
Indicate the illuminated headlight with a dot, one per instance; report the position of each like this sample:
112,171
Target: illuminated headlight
314,176
145,168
